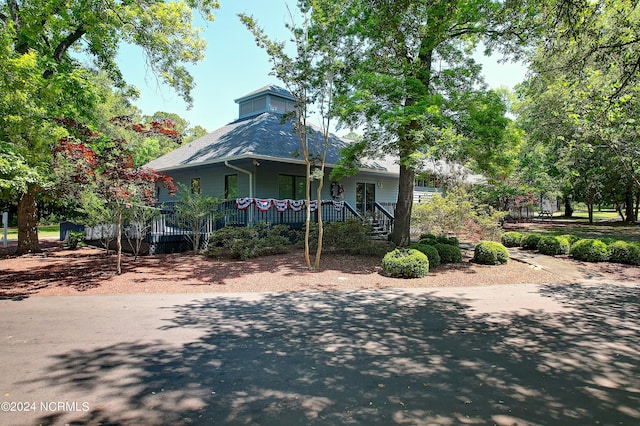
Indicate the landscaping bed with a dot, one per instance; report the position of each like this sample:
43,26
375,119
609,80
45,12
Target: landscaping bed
88,270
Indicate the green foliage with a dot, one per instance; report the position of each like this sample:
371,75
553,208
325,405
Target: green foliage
430,251
553,246
246,242
452,241
511,239
405,263
453,213
624,252
428,236
74,240
348,237
449,253
530,241
571,238
42,79
193,212
490,253
590,250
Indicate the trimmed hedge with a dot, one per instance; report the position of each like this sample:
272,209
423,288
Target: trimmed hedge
511,239
452,241
530,241
431,252
449,253
624,252
405,263
490,253
590,250
553,246
571,238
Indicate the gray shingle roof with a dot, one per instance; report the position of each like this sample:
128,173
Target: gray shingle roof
261,136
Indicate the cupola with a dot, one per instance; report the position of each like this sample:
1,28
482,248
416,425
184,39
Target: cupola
266,99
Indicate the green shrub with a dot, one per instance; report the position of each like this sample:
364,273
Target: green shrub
431,252
452,241
590,250
74,240
349,237
530,241
571,238
511,239
247,242
553,246
449,253
428,241
624,252
405,263
427,237
490,253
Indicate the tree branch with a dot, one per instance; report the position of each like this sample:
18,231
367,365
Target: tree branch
68,42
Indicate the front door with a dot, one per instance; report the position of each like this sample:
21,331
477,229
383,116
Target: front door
365,197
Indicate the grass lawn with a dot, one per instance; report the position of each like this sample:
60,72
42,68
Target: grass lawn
43,232
617,230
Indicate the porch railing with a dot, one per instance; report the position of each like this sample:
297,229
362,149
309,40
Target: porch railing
384,218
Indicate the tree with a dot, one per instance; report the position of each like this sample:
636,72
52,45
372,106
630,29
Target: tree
409,72
309,77
193,211
40,79
104,167
591,51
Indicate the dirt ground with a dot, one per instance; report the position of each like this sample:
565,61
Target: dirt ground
89,270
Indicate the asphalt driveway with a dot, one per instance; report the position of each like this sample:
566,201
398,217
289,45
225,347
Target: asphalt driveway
520,354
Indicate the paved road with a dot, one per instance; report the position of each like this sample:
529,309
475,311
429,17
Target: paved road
520,354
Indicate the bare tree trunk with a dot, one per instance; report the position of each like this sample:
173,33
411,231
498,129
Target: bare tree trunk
307,258
320,225
119,243
28,223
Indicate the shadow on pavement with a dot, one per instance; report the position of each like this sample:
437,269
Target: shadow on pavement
389,357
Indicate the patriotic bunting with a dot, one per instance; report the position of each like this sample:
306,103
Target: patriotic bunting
264,204
243,203
281,205
296,205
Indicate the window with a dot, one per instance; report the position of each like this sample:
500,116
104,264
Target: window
230,187
365,197
292,187
429,181
195,186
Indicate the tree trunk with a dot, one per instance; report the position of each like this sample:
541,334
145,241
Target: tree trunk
402,221
119,242
28,223
568,210
320,225
307,258
628,201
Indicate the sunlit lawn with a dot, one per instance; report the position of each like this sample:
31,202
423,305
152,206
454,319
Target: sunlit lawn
44,231
606,224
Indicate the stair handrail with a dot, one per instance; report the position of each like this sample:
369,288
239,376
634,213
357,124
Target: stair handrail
384,211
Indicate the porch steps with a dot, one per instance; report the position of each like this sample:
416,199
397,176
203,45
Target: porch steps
378,231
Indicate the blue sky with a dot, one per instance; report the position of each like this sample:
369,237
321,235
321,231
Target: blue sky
235,66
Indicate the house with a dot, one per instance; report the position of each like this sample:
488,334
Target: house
258,157
255,164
